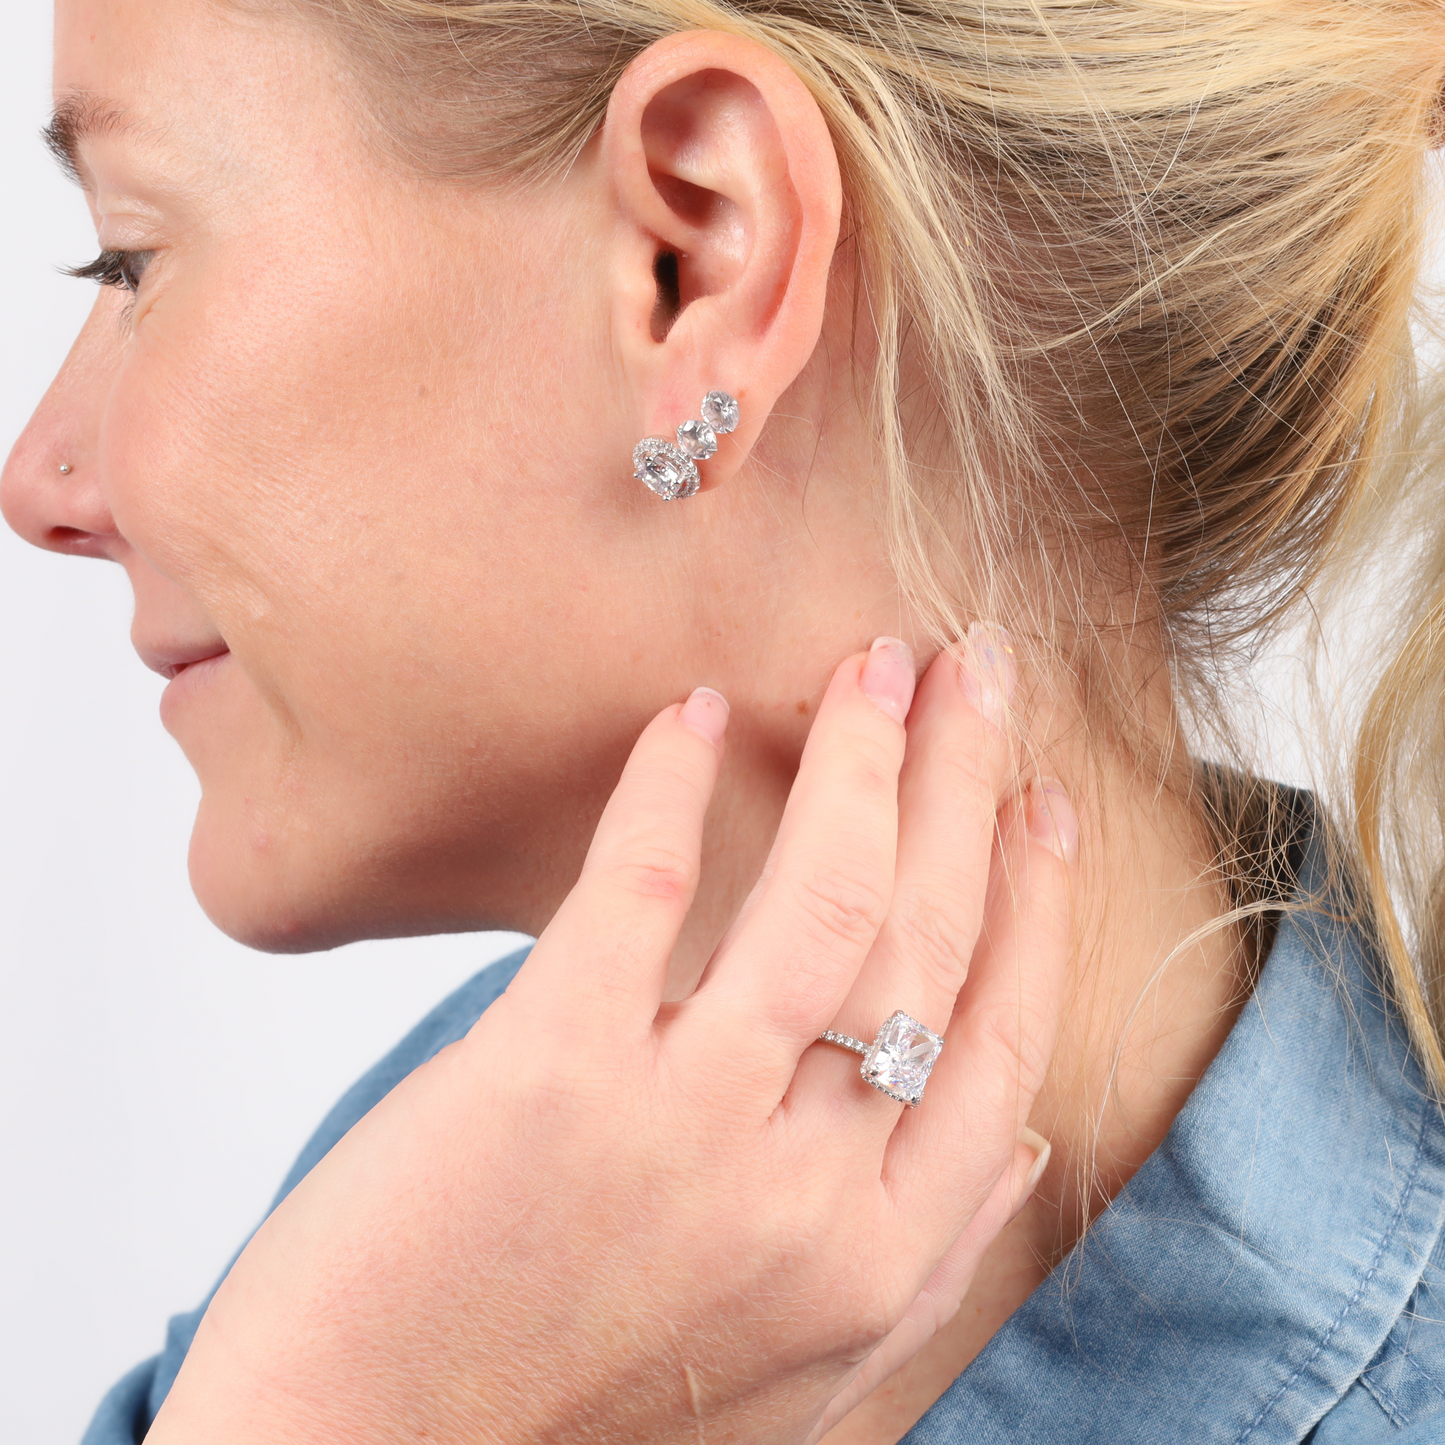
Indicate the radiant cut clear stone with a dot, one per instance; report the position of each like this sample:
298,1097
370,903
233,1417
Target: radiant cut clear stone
664,469
720,412
902,1057
697,439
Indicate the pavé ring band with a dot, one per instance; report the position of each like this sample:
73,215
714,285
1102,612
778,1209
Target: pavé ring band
898,1061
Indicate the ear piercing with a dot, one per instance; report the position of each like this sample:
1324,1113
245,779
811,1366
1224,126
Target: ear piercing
670,469
66,469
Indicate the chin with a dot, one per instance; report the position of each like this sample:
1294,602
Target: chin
302,850
285,895
265,891
262,911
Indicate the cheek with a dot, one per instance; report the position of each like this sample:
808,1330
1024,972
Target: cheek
223,436
258,453
382,497
333,453
317,404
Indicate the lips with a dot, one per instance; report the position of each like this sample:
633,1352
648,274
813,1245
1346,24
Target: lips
172,659
174,670
193,675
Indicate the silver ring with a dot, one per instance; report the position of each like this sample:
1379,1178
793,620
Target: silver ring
898,1061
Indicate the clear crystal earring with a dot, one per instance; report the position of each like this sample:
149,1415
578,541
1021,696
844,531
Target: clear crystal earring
670,468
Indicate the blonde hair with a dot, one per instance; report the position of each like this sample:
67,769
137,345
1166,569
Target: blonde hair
1156,261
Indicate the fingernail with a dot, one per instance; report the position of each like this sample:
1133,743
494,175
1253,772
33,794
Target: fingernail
1041,1150
706,713
987,671
1051,818
888,676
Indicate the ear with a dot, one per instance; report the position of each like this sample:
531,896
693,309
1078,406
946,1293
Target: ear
728,196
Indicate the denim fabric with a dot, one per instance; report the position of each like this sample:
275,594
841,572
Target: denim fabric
131,1404
1268,1275
1274,1273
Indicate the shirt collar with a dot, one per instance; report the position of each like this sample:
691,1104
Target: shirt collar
1253,1266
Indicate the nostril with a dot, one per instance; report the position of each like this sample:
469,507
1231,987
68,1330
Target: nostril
72,539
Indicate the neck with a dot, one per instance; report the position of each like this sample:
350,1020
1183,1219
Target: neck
1157,985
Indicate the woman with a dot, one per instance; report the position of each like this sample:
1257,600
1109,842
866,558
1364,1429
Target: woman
1090,319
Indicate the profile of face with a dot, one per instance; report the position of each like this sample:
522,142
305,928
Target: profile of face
362,441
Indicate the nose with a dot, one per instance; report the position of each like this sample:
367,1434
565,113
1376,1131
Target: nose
52,491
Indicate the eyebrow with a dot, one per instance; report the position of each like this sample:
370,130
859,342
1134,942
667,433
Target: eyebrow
78,116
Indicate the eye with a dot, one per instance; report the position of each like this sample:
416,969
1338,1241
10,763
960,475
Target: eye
115,268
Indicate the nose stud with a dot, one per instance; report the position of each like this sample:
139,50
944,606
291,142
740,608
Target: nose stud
66,469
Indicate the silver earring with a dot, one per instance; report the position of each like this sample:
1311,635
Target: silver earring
670,468
66,469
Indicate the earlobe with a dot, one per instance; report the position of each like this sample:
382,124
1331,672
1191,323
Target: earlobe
728,196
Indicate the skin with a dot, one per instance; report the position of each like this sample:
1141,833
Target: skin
362,441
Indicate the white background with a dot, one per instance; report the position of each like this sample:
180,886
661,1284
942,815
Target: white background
156,1079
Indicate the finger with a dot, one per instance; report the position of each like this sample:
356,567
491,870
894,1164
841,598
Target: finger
959,762
789,960
940,1298
998,1046
604,956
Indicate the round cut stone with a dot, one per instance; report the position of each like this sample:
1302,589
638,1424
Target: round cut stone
664,469
720,412
697,439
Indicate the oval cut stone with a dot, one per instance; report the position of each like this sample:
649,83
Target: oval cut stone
664,469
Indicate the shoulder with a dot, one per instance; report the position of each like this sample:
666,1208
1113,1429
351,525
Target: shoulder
445,1024
1275,1271
1400,1396
131,1405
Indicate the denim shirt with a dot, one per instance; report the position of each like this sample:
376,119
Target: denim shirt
1274,1272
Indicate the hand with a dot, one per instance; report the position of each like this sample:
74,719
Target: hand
600,1217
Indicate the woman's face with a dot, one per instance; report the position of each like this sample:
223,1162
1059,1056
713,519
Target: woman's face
359,442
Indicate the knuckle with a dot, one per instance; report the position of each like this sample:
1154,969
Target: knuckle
973,775
873,770
1053,903
665,788
839,907
651,871
865,1326
932,943
1042,899
809,993
1010,1034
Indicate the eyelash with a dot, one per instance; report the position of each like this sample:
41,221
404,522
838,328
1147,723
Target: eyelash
111,268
